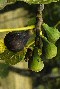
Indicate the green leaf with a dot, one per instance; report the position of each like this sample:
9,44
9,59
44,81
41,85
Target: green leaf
2,3
12,58
39,1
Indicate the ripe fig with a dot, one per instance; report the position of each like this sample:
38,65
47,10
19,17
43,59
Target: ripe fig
15,41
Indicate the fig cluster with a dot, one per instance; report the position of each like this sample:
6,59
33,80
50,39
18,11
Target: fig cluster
49,47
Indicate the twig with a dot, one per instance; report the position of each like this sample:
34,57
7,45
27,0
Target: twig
39,21
18,29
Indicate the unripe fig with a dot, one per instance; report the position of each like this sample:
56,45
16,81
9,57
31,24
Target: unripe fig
36,64
49,49
52,33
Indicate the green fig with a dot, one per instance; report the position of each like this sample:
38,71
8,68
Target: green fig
49,49
52,33
36,64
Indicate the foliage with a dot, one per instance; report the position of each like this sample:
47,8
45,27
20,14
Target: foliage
52,16
11,57
39,1
3,3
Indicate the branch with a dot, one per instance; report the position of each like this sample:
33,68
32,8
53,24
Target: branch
18,29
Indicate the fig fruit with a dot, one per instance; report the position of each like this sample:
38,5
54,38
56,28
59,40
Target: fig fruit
49,49
36,64
52,33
